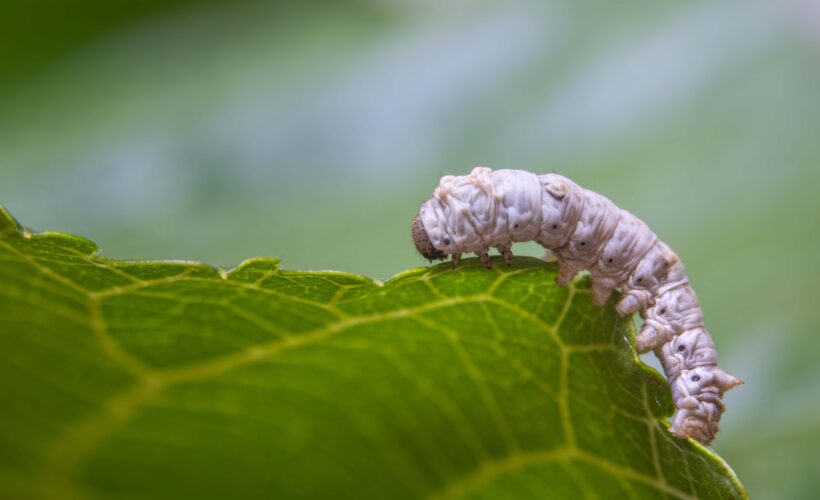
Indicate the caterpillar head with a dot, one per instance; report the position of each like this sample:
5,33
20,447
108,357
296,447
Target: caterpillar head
423,243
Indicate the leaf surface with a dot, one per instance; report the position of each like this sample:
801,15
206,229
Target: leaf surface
173,379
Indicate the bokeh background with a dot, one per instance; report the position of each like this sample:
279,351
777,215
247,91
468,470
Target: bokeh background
220,130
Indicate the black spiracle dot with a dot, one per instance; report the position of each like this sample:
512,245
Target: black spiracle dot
696,378
663,311
609,260
583,243
555,226
515,226
446,241
681,348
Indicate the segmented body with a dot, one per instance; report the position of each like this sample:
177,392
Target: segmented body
586,231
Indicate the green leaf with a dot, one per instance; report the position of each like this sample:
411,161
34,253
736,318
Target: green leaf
175,379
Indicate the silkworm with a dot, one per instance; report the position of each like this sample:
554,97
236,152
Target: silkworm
586,231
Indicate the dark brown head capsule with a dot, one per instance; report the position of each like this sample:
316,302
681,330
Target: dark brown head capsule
423,243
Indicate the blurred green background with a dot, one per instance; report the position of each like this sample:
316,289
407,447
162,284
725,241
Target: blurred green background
312,131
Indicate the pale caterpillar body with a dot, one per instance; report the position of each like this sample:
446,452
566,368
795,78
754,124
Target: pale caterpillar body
586,231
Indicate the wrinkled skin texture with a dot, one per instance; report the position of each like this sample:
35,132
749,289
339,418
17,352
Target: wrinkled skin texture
586,231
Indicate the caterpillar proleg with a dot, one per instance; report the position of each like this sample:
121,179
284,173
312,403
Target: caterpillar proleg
586,231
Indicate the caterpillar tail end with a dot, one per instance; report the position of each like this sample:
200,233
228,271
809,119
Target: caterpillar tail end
691,426
698,414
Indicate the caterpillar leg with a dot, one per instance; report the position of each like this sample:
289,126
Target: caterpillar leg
648,338
550,256
456,259
629,304
485,259
600,294
507,253
566,272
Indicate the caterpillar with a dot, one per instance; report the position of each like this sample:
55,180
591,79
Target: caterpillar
586,231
